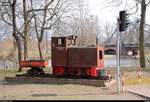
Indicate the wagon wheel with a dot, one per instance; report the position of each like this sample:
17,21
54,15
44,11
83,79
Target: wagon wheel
35,71
41,71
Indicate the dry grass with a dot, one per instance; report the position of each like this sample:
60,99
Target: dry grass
131,75
13,72
64,92
9,73
4,73
7,45
134,81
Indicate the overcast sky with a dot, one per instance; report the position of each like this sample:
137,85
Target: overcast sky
98,8
108,14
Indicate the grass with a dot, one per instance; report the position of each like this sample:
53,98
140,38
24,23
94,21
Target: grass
146,70
131,76
4,73
13,72
128,69
145,80
135,81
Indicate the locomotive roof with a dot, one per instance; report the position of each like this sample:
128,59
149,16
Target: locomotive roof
65,36
84,46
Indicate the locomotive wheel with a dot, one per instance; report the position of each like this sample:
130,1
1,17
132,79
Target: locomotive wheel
82,73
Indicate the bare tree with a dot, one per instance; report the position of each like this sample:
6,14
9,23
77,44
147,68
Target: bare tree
143,5
11,14
132,33
90,29
110,32
25,14
81,24
141,30
45,18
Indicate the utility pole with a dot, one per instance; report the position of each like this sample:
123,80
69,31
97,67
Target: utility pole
118,57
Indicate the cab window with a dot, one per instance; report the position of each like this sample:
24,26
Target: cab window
100,55
61,41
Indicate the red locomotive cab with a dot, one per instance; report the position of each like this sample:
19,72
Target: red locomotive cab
59,53
59,49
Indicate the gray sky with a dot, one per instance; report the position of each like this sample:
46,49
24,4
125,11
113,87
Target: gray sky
109,14
97,7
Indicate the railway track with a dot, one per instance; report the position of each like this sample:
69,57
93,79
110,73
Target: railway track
66,77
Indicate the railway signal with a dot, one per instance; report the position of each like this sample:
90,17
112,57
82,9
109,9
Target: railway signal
124,22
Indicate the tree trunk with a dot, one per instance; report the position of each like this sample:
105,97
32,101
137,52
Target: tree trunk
25,48
19,52
25,31
40,50
141,35
15,35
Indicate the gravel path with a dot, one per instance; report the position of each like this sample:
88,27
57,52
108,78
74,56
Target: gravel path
16,91
143,90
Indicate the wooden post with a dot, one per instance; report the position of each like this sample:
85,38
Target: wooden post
109,76
139,74
123,82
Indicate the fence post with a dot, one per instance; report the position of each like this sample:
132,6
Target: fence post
139,74
123,82
109,76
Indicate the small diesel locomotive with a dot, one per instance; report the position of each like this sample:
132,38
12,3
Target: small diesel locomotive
68,59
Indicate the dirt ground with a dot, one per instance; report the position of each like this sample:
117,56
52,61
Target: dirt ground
16,91
24,91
